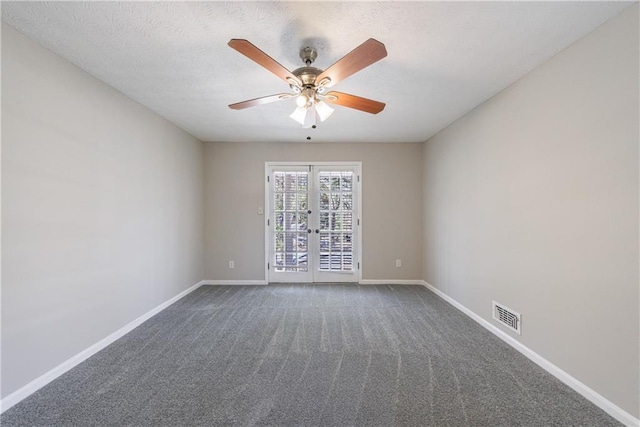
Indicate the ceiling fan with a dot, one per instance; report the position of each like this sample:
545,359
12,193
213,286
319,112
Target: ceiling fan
310,85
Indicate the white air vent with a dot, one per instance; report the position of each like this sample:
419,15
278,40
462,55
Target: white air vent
507,317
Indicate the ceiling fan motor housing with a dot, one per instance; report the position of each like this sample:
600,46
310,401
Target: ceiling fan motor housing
307,75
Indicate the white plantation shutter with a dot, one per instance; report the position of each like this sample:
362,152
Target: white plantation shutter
290,236
335,192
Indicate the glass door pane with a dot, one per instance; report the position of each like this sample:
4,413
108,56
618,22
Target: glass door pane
290,228
337,222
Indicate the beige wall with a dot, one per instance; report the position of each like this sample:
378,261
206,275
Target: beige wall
532,200
391,204
101,210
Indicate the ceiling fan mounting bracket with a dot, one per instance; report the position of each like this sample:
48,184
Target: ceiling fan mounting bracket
308,55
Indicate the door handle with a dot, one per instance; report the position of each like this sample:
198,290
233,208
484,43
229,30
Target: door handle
317,231
309,231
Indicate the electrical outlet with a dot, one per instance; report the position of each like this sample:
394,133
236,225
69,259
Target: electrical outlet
398,263
232,264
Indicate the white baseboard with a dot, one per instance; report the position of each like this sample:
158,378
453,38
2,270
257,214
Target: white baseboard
362,282
391,282
594,397
235,282
54,373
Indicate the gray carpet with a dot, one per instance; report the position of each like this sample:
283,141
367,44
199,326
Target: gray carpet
317,355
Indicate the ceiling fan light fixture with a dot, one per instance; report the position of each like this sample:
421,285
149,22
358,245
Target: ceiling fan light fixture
302,100
299,115
324,111
310,117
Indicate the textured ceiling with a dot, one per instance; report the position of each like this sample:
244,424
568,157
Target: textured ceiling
444,58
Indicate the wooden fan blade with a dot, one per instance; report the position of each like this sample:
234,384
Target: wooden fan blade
357,102
259,101
261,58
361,57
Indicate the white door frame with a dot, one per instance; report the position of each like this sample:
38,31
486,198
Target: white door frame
267,209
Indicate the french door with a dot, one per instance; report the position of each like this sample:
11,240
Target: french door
313,222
